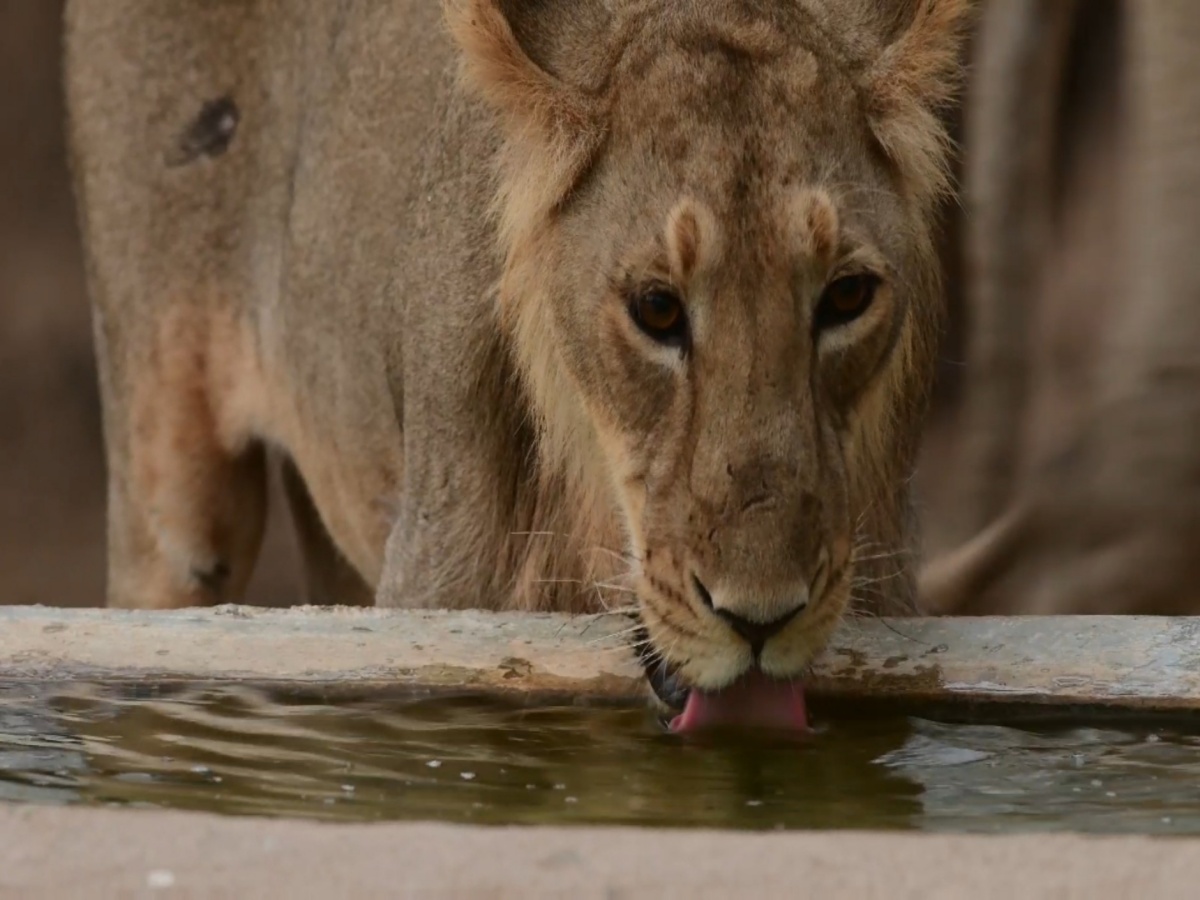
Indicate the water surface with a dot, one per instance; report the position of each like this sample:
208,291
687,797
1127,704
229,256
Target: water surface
485,761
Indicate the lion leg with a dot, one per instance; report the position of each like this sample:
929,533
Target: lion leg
165,159
328,578
186,503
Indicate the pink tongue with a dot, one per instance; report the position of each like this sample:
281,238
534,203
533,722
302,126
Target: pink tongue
753,700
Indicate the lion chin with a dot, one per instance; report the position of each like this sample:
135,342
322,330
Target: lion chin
751,699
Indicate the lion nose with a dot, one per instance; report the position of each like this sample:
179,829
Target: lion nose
754,631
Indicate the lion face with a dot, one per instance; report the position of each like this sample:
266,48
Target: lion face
717,283
724,305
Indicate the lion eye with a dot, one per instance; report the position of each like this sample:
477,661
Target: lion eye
845,299
660,314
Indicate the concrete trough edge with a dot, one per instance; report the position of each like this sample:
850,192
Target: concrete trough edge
1147,664
140,853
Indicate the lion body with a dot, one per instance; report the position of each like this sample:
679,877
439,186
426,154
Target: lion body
308,233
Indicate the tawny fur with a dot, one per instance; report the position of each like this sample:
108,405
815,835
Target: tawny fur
422,243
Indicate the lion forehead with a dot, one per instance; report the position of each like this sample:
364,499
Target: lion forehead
704,118
716,76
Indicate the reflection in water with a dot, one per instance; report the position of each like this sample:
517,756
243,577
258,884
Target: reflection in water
993,778
466,759
41,760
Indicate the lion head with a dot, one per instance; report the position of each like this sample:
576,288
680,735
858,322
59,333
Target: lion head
722,296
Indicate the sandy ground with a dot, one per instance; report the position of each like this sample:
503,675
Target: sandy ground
49,852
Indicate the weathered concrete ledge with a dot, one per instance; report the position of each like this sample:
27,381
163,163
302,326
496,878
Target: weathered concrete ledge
114,853
1147,664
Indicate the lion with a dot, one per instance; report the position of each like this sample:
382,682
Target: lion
626,306
1074,485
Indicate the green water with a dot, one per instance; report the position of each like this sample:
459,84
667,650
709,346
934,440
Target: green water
240,751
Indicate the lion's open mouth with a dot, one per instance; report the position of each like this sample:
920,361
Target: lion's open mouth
755,700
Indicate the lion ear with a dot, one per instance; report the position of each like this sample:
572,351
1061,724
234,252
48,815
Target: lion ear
910,83
551,126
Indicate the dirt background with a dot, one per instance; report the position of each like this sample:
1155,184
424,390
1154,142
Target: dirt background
51,453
